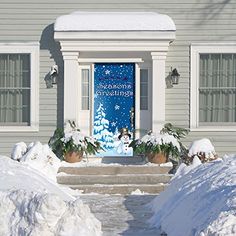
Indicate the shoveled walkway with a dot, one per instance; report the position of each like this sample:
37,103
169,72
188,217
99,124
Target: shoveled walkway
122,215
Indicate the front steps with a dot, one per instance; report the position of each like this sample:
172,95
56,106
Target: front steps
111,179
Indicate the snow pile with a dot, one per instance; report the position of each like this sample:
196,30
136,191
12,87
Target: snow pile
201,202
184,169
202,146
18,150
31,213
38,156
114,21
30,204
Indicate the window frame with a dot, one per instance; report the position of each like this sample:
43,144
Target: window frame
196,50
32,49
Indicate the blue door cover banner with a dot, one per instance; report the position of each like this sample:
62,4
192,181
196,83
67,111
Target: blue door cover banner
114,102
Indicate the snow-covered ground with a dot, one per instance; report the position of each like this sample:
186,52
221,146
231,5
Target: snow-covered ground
200,200
32,203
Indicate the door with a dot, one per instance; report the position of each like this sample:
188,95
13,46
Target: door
114,93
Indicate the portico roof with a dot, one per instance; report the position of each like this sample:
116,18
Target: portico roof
114,21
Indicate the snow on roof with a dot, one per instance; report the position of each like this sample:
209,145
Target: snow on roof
114,21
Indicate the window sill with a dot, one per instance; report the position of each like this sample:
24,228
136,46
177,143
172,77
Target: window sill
19,129
214,129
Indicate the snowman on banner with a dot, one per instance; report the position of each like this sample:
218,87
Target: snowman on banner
124,141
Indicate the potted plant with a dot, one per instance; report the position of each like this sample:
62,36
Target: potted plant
72,144
161,147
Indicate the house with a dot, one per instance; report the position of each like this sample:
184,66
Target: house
113,63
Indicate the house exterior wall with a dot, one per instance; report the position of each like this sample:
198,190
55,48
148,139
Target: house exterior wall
196,22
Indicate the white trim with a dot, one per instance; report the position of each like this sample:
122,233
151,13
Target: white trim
114,46
214,129
158,90
33,49
110,60
196,49
137,100
92,101
71,87
112,35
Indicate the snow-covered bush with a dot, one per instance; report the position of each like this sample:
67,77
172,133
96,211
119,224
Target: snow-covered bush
203,149
37,156
72,140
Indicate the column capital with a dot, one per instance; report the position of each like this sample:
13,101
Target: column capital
158,55
68,55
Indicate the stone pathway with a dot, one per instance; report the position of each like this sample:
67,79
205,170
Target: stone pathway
122,215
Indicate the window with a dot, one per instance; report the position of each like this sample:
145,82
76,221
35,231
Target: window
18,87
85,89
213,87
144,89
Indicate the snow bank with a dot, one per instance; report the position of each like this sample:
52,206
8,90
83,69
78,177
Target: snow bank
114,21
14,175
37,156
201,201
30,213
31,204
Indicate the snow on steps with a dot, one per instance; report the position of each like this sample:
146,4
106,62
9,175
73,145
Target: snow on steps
115,179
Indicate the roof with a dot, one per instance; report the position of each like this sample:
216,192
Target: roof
114,21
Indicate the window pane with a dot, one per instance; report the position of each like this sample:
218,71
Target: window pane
144,76
143,103
15,89
144,89
85,89
217,90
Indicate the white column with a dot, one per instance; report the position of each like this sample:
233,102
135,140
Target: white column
71,84
158,90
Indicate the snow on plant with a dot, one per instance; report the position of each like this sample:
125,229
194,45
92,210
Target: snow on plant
202,148
76,137
72,140
163,139
151,143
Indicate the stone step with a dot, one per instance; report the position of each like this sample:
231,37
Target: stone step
115,170
123,160
119,189
113,179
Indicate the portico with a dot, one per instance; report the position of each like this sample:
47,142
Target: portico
87,38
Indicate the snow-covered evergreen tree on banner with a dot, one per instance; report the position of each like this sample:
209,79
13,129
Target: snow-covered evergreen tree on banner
101,129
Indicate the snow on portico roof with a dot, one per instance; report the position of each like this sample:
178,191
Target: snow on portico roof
114,21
